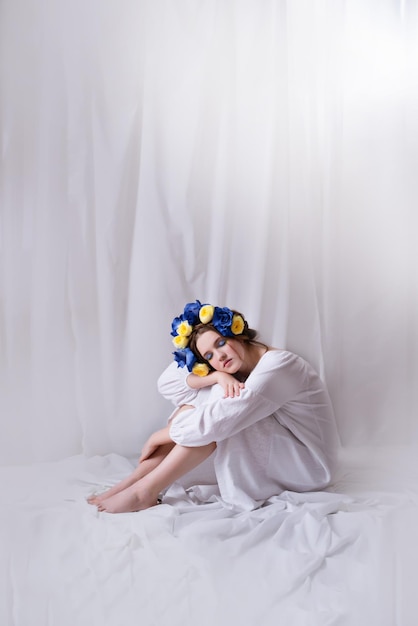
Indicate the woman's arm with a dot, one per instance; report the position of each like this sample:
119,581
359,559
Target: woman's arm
273,383
229,383
172,384
218,420
180,387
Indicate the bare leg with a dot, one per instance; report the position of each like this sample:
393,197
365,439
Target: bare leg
139,472
143,493
143,468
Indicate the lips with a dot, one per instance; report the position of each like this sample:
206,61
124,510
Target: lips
227,362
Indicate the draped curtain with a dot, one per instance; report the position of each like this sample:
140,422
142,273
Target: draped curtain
257,154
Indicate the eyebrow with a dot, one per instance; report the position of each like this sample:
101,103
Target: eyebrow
210,349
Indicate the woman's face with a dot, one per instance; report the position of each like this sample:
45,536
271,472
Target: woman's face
225,354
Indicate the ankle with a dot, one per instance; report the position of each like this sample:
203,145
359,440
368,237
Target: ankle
147,489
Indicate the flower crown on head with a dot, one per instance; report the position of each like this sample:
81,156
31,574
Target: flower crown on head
225,321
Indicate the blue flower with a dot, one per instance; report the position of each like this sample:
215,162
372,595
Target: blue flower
185,357
175,324
222,321
191,312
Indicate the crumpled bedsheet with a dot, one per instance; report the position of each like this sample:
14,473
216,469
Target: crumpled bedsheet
346,556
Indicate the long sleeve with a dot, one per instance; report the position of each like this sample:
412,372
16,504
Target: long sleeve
218,420
278,434
277,381
173,386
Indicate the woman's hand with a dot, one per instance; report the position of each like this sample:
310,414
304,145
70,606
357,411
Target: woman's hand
231,386
157,439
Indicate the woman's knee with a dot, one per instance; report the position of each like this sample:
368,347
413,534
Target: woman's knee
183,407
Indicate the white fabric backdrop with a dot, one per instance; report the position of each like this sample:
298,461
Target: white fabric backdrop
255,154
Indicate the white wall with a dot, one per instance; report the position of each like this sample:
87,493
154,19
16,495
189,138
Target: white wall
259,155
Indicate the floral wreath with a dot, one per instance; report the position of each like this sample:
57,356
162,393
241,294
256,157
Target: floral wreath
225,321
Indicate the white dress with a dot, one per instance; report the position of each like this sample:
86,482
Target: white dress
279,434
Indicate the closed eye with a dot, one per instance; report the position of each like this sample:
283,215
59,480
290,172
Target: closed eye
209,355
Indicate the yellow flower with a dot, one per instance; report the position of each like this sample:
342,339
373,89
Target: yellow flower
206,313
200,369
180,342
184,329
237,325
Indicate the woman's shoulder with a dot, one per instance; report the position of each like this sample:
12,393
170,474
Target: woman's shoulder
278,356
275,360
278,360
278,374
288,366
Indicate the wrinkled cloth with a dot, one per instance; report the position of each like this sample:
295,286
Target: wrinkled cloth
278,435
314,559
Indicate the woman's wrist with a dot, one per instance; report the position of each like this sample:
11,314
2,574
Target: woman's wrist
199,382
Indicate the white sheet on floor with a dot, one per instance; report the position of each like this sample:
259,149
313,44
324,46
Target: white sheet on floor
341,557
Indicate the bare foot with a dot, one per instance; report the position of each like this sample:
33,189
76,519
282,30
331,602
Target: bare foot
131,499
97,498
143,468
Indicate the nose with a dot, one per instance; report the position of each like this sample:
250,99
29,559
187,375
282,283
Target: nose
220,354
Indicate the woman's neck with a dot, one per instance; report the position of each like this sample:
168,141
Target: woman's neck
254,352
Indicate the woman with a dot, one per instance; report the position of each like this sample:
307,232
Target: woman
272,428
